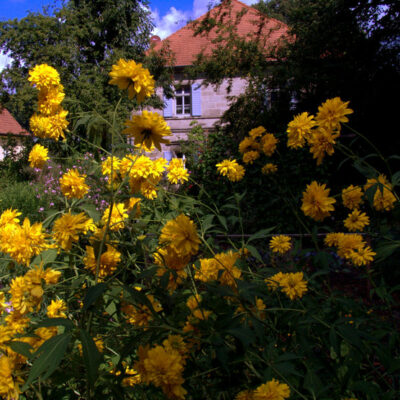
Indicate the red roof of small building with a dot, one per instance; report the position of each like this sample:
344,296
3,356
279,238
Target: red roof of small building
250,23
8,125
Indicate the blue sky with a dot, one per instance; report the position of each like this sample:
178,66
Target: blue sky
168,15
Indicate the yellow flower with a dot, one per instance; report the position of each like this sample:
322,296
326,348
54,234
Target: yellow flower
347,243
38,156
280,244
321,142
272,390
356,221
148,129
56,309
49,127
293,285
67,228
250,156
118,215
167,256
352,197
141,315
257,132
108,261
73,185
384,198
269,168
274,281
111,164
231,169
210,269
23,242
180,233
178,175
299,129
44,77
9,385
133,77
163,367
49,100
134,203
316,203
268,144
248,144
362,255
332,113
9,216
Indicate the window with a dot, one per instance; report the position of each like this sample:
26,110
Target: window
185,103
183,100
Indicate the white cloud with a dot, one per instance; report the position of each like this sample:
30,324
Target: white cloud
176,19
4,61
170,22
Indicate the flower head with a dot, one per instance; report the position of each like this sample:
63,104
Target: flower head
181,235
272,390
72,184
44,77
38,156
322,142
332,113
293,285
299,129
133,77
248,144
280,244
66,229
269,168
257,132
108,261
250,156
148,129
352,197
356,221
268,144
316,201
117,217
384,199
231,169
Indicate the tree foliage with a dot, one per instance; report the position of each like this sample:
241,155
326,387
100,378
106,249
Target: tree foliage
82,40
346,48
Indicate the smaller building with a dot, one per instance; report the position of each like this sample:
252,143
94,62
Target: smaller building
9,127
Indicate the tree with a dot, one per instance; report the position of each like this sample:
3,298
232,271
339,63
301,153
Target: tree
83,53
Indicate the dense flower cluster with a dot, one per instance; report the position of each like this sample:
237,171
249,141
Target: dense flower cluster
231,169
177,173
258,141
51,122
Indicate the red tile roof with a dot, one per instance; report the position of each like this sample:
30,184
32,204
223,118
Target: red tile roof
251,23
8,125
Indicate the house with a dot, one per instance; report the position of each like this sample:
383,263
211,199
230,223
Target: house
192,100
9,127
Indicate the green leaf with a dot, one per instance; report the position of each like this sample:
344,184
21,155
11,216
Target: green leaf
90,209
312,383
45,258
245,335
222,220
93,294
254,252
21,348
263,233
91,356
56,322
385,250
48,357
207,222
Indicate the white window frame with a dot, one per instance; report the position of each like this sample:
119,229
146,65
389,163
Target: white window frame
186,96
